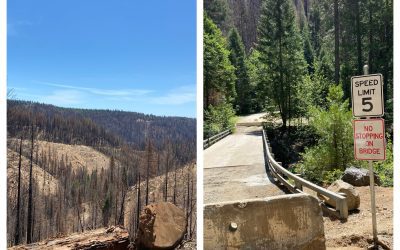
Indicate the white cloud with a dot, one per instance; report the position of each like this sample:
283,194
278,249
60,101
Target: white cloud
64,97
178,96
102,92
65,94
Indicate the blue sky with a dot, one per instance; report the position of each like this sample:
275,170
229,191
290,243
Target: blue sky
126,55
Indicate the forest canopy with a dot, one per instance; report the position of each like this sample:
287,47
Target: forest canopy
294,59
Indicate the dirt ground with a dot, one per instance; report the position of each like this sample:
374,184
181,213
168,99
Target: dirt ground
356,233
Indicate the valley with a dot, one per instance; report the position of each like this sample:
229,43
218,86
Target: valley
89,174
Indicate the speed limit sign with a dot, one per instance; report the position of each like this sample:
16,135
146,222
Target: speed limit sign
367,92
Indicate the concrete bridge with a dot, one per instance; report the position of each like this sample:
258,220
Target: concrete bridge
244,207
234,167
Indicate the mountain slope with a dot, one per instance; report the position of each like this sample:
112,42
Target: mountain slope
244,16
104,128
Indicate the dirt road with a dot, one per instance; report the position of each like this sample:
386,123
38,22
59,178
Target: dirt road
357,231
259,117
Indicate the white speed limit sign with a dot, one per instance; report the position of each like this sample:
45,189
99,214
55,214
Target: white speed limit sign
367,92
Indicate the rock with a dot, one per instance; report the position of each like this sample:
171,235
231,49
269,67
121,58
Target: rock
161,226
352,196
358,177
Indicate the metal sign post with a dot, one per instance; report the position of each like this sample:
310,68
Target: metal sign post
373,211
371,178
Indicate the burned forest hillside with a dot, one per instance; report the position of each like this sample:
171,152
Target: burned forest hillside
73,170
245,16
102,128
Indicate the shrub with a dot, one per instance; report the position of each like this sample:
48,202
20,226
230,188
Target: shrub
334,151
218,118
384,169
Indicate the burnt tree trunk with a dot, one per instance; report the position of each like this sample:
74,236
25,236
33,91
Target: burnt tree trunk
138,204
17,227
30,195
174,184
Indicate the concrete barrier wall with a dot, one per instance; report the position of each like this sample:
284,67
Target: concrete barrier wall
280,222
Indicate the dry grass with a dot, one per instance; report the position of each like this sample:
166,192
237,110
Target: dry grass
78,155
40,176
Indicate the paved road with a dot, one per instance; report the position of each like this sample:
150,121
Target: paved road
234,167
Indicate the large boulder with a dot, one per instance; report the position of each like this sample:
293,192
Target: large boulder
358,177
161,226
352,195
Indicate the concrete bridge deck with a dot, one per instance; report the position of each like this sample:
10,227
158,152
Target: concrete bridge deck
234,167
244,209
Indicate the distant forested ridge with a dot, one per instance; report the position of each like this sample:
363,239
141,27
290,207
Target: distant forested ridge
102,128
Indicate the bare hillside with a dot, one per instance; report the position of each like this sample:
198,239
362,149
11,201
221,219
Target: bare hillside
80,188
77,156
42,177
56,168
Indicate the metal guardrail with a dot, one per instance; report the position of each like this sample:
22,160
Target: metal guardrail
249,124
278,172
213,139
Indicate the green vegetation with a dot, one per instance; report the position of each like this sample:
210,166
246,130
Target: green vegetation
219,81
218,118
334,150
280,47
291,59
242,83
256,71
384,169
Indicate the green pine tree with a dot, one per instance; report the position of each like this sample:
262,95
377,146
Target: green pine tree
219,75
242,84
219,81
281,50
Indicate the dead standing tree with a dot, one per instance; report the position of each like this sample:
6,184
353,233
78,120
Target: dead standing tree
138,203
30,193
17,227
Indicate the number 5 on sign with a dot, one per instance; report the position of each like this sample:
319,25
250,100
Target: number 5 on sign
367,93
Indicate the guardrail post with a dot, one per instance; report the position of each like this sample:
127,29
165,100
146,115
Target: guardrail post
269,148
298,184
341,206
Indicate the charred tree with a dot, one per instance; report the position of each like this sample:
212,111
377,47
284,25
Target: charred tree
138,203
148,172
17,227
166,179
30,193
174,184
